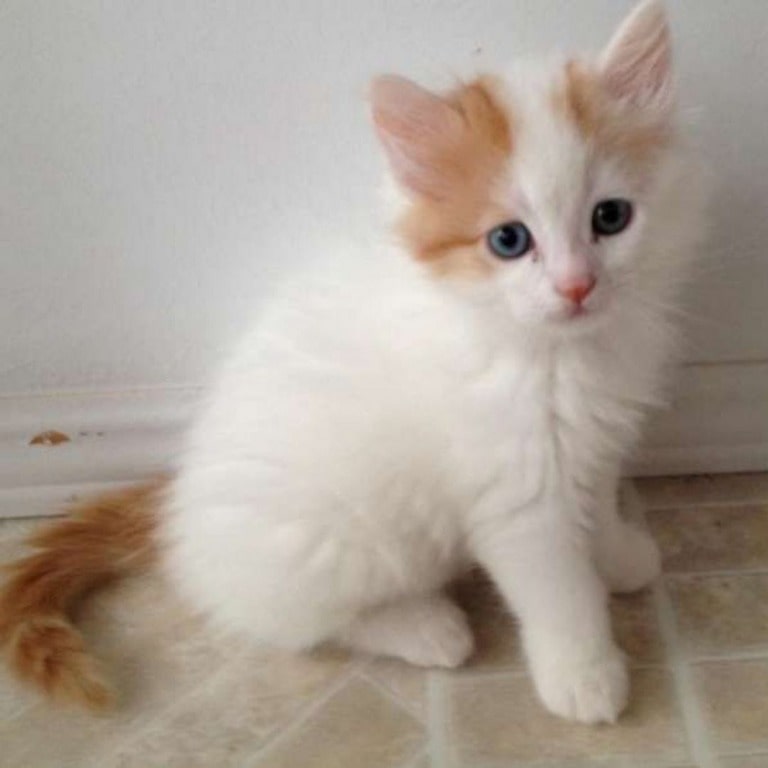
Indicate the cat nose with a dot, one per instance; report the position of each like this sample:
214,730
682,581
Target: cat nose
576,290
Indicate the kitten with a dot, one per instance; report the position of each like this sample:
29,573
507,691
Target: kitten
468,395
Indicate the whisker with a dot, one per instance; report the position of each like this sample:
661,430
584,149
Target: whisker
666,307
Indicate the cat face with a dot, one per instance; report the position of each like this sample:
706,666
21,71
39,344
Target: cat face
538,185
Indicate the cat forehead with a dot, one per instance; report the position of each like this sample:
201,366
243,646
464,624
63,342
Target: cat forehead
550,160
564,128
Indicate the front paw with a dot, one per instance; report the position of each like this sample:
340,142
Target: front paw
593,691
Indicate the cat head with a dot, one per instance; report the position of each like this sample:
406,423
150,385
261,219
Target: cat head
543,186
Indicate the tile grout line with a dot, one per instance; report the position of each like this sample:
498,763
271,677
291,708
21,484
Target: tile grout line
507,673
758,751
698,738
392,696
17,714
717,573
144,723
303,716
414,759
757,654
141,723
436,719
672,506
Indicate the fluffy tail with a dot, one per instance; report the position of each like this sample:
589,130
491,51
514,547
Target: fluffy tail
104,539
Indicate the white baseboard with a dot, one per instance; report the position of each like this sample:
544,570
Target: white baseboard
114,438
719,424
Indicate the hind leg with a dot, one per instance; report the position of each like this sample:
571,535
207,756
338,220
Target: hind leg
425,630
627,557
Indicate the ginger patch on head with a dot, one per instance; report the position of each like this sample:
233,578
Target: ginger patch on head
444,231
612,128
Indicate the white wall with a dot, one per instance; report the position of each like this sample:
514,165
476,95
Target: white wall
162,158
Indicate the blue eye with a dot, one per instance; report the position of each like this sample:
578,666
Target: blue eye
510,241
611,217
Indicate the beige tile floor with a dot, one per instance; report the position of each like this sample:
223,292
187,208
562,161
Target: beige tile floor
698,643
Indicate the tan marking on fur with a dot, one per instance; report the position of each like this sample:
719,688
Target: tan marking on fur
612,128
445,234
103,539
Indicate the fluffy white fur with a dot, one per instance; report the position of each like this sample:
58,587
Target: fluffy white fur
381,429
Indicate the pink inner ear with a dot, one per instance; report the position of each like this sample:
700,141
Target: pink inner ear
415,128
636,66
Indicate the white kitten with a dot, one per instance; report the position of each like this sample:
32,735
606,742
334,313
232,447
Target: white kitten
469,395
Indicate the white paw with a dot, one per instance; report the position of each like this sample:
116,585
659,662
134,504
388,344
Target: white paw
590,692
635,563
439,636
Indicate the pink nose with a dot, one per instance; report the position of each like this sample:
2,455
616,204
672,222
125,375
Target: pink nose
576,290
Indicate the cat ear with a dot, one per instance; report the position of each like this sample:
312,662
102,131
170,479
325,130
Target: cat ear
636,66
418,130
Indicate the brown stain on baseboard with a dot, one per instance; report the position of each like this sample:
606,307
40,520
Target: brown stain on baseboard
50,437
